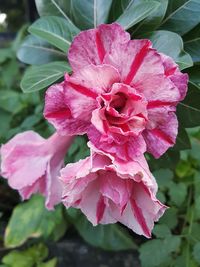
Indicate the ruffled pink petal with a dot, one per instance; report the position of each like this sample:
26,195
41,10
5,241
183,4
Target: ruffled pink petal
163,134
64,108
95,79
126,150
173,73
91,46
113,192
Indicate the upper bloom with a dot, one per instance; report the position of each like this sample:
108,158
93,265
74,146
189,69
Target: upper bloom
107,192
31,164
121,92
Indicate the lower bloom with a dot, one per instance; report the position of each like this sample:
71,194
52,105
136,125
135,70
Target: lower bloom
32,164
108,191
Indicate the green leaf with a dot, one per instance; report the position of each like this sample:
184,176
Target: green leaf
192,43
196,252
26,258
184,18
117,8
163,41
170,218
10,101
160,249
135,12
35,221
57,31
161,231
78,150
40,77
88,14
58,8
194,74
189,110
5,119
109,237
153,21
163,177
36,51
177,193
182,140
5,53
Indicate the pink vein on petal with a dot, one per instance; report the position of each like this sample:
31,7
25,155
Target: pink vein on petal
158,103
65,113
162,136
100,209
100,47
83,90
140,218
137,61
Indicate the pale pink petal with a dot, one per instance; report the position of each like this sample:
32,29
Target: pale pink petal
31,164
95,79
91,46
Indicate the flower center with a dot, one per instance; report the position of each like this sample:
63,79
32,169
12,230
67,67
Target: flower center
118,102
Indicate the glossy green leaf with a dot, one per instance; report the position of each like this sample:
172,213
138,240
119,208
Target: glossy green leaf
189,110
58,8
117,8
57,31
194,74
153,21
192,43
88,14
182,140
35,221
36,51
163,41
40,77
184,18
109,237
136,12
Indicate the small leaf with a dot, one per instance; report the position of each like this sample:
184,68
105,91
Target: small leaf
55,30
196,252
163,177
39,77
170,218
161,231
182,140
36,51
177,193
35,221
135,12
160,249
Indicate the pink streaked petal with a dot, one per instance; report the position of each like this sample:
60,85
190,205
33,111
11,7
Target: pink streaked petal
158,88
64,108
163,136
91,46
128,58
172,71
98,79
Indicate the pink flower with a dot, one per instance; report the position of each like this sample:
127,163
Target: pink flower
107,192
122,93
31,164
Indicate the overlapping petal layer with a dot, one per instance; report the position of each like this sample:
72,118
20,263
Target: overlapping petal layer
107,191
31,164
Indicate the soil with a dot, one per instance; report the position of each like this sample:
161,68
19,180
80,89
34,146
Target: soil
75,252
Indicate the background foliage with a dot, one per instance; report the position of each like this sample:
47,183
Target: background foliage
174,29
